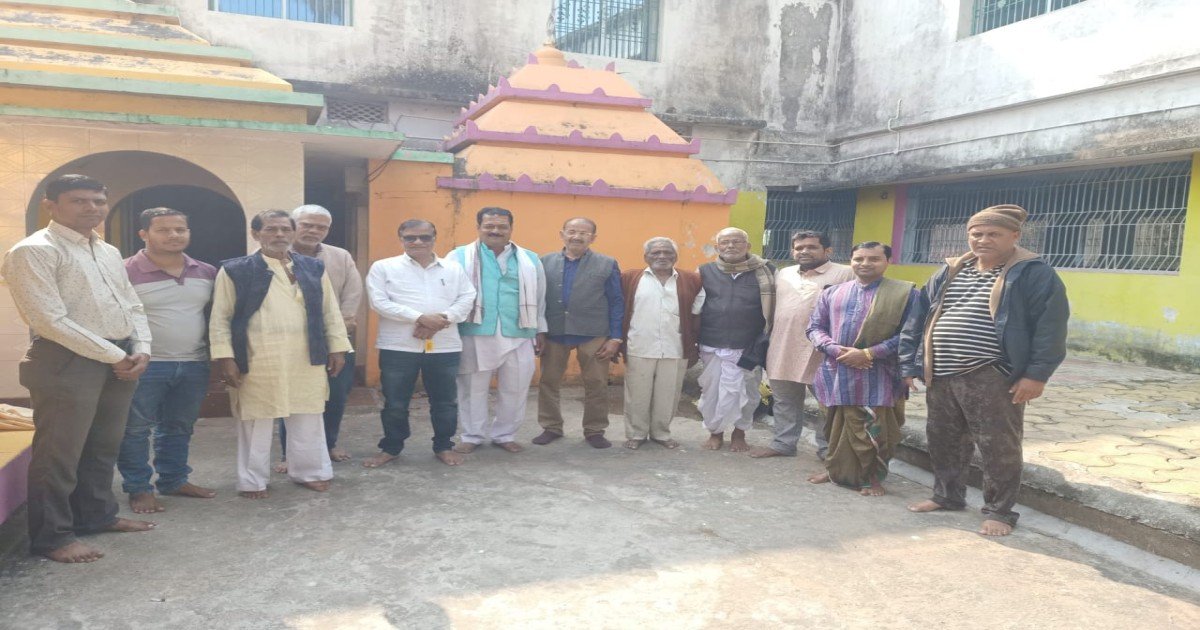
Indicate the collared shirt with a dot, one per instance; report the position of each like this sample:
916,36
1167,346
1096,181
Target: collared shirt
400,290
343,275
654,321
791,356
72,289
835,324
612,292
174,306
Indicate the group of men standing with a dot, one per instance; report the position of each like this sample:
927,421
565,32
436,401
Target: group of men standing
122,350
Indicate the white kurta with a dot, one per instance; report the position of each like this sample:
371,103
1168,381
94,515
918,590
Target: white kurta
282,380
791,356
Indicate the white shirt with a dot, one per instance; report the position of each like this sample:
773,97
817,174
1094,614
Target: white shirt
401,290
654,324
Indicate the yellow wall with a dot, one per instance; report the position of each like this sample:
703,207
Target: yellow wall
1140,316
749,212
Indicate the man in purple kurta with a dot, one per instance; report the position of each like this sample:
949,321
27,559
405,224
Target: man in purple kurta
856,325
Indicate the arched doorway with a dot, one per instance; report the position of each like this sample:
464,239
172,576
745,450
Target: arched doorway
212,218
137,180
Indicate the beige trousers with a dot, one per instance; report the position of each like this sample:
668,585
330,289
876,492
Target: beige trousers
652,390
595,386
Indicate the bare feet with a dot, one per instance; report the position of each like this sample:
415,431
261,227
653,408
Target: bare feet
74,552
819,478
193,491
338,455
449,458
253,494
737,441
126,525
316,486
511,447
875,490
668,443
466,448
144,503
995,528
928,505
379,459
634,445
714,441
759,452
280,466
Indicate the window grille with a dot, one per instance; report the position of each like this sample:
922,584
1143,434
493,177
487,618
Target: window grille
336,12
347,110
990,14
627,29
830,212
1128,218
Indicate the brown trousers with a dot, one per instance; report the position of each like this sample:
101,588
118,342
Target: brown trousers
595,386
968,411
79,414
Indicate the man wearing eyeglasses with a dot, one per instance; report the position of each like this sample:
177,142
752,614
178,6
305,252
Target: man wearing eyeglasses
585,312
419,298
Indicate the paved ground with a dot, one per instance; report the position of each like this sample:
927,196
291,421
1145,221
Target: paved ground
1130,427
565,536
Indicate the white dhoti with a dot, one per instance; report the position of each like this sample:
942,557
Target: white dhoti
512,362
728,394
308,458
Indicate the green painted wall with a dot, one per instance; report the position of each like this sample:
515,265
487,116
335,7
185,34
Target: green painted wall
749,212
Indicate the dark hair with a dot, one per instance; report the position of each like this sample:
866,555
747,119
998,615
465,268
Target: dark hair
256,223
150,214
585,220
800,235
494,211
887,249
415,223
64,183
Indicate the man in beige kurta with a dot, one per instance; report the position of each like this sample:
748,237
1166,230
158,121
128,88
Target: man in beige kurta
281,377
791,359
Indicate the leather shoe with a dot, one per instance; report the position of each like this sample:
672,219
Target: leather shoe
545,438
598,441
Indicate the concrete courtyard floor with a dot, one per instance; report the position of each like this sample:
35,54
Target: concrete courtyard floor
565,536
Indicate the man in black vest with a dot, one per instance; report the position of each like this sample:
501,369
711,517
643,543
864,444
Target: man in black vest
584,311
739,305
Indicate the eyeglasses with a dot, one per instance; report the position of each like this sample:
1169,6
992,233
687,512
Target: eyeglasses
413,238
576,233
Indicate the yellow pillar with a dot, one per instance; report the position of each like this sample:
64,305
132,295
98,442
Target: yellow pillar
749,212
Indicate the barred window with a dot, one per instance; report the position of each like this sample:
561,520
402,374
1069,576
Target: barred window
336,12
349,110
1128,218
627,29
989,14
829,212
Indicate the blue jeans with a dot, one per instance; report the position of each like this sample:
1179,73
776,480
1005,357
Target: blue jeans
335,407
398,376
167,403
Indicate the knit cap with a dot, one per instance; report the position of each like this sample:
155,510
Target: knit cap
1006,216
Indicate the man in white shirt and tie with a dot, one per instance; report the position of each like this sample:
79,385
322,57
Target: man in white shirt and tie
420,299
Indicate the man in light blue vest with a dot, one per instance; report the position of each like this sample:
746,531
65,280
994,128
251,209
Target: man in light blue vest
504,332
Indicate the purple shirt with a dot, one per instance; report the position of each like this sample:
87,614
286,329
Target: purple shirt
836,321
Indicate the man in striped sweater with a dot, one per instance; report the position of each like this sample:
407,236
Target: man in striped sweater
988,332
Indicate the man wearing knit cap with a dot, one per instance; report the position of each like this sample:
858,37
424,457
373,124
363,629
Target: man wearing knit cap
989,330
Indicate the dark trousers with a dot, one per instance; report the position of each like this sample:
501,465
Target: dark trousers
79,411
335,407
398,377
968,411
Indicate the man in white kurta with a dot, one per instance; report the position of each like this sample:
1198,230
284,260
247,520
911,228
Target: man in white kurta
281,380
791,359
501,340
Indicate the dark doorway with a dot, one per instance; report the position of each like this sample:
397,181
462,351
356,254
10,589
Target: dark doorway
217,222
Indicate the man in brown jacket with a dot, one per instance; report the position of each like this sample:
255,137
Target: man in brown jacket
661,324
